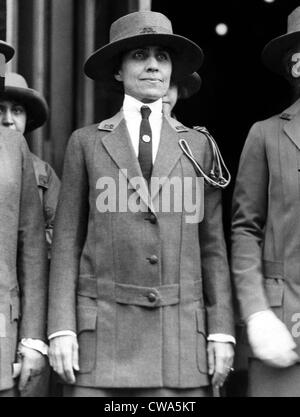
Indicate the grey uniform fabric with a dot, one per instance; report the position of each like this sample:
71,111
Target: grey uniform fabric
140,294
266,230
76,391
48,186
23,259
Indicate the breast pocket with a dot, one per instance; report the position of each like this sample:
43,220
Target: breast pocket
192,193
87,337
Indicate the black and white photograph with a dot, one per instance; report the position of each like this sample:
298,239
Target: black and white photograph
150,201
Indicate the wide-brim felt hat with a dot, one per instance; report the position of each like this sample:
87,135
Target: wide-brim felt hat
7,50
189,85
16,89
138,29
274,52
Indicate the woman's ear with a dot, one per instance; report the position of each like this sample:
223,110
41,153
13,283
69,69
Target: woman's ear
291,63
118,77
295,70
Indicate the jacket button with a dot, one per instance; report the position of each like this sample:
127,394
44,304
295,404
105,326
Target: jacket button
153,259
152,297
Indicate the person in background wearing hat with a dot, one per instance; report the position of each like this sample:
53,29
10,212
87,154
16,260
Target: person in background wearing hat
129,284
184,88
24,110
23,263
266,233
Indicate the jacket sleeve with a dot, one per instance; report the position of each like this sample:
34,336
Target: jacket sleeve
214,260
32,256
51,195
50,200
70,227
249,211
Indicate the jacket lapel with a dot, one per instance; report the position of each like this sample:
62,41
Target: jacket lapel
118,144
292,126
169,152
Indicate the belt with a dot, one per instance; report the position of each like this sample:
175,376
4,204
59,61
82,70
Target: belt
158,296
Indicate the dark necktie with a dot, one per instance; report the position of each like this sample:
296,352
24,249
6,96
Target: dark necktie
145,144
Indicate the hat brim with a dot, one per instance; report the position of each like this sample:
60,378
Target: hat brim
187,56
273,53
7,50
35,105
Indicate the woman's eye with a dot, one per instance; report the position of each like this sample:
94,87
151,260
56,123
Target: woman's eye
139,55
18,110
163,56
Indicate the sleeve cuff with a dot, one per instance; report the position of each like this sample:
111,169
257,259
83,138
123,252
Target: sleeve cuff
35,344
62,333
220,337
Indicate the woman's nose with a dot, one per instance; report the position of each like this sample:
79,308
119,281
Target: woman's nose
152,63
7,118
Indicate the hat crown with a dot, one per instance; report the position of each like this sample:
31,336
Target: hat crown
145,28
12,79
140,23
294,21
17,90
7,50
189,85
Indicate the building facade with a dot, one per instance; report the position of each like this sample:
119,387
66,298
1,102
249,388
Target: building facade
52,39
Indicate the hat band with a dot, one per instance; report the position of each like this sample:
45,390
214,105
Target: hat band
145,30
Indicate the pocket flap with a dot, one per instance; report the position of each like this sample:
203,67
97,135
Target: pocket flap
14,308
86,318
43,181
274,292
201,343
200,318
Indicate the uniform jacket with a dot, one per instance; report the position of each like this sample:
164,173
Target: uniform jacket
140,289
23,275
266,222
48,186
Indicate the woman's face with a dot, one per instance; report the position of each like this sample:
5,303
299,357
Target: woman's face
146,73
13,115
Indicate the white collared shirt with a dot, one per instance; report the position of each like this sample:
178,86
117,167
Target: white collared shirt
133,117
